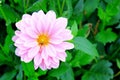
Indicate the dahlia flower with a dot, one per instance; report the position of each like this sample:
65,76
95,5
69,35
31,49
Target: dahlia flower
42,38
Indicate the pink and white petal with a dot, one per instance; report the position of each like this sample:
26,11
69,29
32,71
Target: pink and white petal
51,15
19,41
43,53
43,65
61,56
50,50
20,52
26,37
21,46
14,38
37,23
30,44
37,59
20,25
55,39
25,58
54,64
67,45
66,34
59,47
35,67
60,24
26,16
31,33
33,51
17,33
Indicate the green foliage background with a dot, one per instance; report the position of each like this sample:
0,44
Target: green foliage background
95,25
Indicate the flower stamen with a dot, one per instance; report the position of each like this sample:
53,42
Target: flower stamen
43,39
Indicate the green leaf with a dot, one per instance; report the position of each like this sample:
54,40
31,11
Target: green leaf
99,71
74,28
90,8
8,75
103,16
8,42
41,72
38,5
64,72
52,5
8,14
81,59
70,9
69,56
85,30
85,46
28,69
78,11
112,8
20,74
106,36
118,63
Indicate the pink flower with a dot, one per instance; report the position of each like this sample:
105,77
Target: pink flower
42,38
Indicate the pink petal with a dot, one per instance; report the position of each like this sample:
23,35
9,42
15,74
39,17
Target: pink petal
42,65
55,40
33,51
25,58
62,56
20,52
30,44
50,50
35,67
66,34
26,16
19,41
43,53
68,45
37,59
59,25
55,64
14,38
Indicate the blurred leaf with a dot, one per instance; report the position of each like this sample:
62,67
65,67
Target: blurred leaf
8,42
8,14
79,7
108,1
118,27
99,71
81,59
112,8
78,11
2,56
74,28
64,72
69,56
70,9
103,16
84,31
8,75
85,46
41,72
52,5
38,5
106,36
28,69
118,63
20,74
90,8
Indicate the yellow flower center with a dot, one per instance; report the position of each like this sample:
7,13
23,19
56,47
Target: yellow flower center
43,39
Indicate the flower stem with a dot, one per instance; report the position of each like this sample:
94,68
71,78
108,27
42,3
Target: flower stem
117,74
